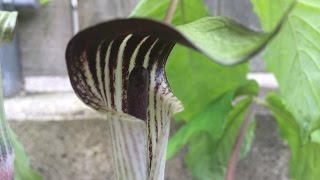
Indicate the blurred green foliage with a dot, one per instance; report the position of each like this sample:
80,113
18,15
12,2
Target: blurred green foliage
22,169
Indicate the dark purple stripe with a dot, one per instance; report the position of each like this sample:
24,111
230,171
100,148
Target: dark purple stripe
156,88
132,44
144,49
155,53
82,86
138,93
91,59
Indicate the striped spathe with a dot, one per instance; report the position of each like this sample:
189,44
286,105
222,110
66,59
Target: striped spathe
118,69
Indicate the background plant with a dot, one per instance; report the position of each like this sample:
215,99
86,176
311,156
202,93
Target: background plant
20,167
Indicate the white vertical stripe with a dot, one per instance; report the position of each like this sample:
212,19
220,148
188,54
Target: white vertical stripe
107,76
118,75
130,138
120,148
99,75
158,110
114,148
147,57
135,53
128,143
158,160
164,111
124,148
151,110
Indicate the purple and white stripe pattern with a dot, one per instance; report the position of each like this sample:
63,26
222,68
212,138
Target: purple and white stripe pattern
121,73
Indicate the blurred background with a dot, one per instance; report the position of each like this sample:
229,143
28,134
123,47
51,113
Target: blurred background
64,139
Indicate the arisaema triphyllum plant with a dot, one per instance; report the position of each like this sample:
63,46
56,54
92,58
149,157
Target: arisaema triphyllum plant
118,68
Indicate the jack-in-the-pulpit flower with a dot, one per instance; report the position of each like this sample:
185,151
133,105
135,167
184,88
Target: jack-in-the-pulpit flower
118,69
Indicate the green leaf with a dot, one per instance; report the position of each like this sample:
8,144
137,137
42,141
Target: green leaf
305,159
7,25
315,136
248,140
44,1
208,157
187,10
294,58
206,81
220,38
217,128
22,168
211,120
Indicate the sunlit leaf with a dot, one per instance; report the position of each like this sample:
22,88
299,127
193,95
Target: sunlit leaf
7,25
294,58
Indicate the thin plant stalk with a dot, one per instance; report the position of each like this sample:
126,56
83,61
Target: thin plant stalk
170,12
239,141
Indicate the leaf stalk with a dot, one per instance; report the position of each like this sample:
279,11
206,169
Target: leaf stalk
170,12
237,146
